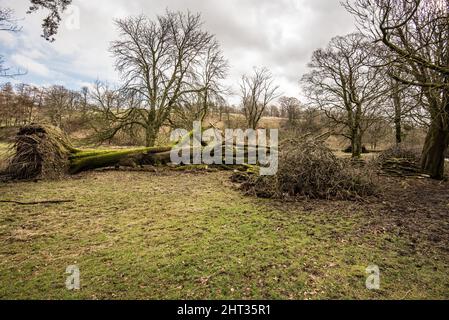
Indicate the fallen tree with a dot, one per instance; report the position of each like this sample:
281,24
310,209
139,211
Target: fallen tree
45,152
93,159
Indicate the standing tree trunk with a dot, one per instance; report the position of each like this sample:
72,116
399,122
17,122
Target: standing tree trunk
397,113
435,146
253,124
150,136
398,129
357,132
356,143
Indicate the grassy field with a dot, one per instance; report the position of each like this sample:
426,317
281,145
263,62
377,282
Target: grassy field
4,153
4,149
168,234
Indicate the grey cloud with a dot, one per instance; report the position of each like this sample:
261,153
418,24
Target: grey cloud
280,35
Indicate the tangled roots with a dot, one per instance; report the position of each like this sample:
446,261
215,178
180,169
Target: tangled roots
40,151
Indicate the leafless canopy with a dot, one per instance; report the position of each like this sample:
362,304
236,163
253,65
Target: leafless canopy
343,83
163,61
7,20
290,106
7,23
415,31
257,91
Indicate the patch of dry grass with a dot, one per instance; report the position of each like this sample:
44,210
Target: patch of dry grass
5,152
365,156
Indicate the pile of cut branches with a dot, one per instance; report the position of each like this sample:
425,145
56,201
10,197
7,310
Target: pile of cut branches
309,169
400,162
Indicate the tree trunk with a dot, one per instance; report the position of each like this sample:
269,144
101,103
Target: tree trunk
398,130
150,136
435,146
93,159
356,143
356,132
397,112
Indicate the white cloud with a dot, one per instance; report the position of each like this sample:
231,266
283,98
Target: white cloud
30,65
8,39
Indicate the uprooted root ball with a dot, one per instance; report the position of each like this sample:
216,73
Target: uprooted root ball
310,169
40,151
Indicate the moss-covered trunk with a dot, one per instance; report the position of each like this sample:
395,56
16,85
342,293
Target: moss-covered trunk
41,151
93,159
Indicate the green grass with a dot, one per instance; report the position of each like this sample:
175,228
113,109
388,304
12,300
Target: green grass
192,236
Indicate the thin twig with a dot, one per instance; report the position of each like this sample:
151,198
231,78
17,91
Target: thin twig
35,202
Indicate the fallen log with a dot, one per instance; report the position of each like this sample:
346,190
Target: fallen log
88,160
400,167
92,159
43,152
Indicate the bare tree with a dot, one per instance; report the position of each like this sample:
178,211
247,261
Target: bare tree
404,104
194,107
4,71
25,107
291,107
398,109
7,20
116,111
257,91
7,23
7,102
343,84
415,32
164,61
18,104
60,105
274,111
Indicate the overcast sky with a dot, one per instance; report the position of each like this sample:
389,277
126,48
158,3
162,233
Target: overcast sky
278,34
